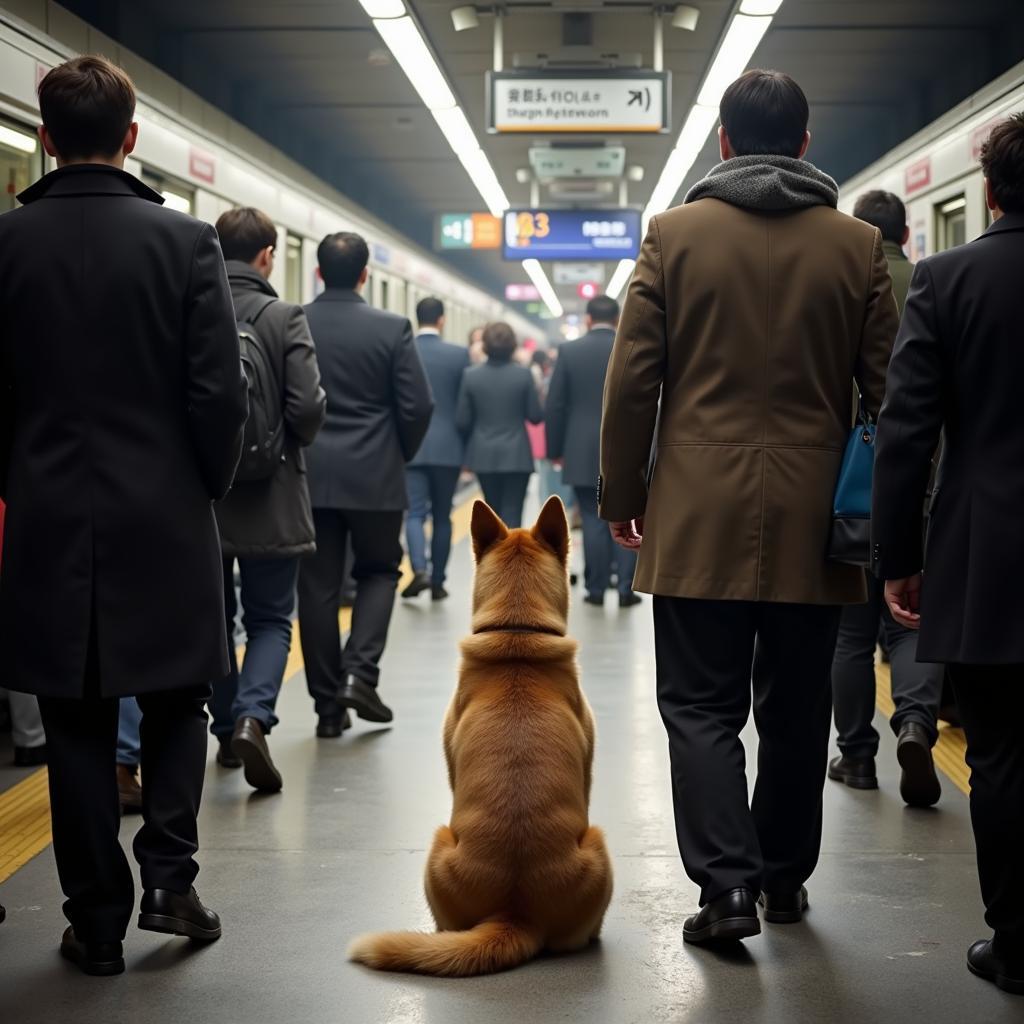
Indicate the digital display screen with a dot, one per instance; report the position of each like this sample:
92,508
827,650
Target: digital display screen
571,234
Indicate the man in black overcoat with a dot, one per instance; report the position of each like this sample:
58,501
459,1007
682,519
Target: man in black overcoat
956,369
122,404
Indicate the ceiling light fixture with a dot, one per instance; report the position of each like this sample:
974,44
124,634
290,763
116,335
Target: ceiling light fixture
623,272
20,141
685,17
540,280
407,45
737,47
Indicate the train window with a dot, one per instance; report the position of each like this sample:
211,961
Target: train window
384,293
20,161
293,269
176,196
951,223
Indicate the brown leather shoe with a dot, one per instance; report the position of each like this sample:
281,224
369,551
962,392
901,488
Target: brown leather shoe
129,791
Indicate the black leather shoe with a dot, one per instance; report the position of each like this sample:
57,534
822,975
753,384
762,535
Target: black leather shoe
330,727
226,757
419,583
173,913
858,774
438,594
629,600
919,785
983,961
3,913
595,599
250,744
29,757
362,698
784,907
733,915
101,959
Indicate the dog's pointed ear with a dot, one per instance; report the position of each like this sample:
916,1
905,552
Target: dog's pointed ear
486,529
552,528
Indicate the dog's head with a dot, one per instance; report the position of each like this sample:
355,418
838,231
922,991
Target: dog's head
522,577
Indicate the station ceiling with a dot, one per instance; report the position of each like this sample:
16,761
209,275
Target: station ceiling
315,79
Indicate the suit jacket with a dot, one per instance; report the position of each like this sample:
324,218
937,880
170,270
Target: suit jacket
124,404
272,518
495,402
444,365
751,326
957,365
572,415
378,404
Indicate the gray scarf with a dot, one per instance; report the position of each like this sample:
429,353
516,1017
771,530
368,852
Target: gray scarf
769,183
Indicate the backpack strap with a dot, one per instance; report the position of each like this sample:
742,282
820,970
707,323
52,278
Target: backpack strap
268,301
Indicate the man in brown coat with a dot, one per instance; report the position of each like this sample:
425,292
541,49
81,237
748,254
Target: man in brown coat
752,309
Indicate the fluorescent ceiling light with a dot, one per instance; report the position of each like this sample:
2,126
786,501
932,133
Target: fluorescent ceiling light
20,141
406,44
176,201
456,129
682,158
482,174
733,55
623,272
760,6
536,274
383,8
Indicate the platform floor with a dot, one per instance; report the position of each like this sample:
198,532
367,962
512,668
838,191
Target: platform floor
894,900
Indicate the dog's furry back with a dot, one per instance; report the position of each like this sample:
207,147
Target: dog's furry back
519,869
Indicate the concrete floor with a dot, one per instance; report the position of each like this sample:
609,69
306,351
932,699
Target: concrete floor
894,901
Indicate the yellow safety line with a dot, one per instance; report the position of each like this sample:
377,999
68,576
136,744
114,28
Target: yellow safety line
950,749
25,807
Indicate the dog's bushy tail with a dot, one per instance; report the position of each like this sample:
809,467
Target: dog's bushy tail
493,945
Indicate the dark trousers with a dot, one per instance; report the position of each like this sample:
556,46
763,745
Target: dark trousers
707,653
991,703
505,493
431,493
86,814
268,600
378,552
916,686
600,552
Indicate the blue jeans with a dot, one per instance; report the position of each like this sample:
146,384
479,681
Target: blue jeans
600,552
550,482
268,600
129,719
431,492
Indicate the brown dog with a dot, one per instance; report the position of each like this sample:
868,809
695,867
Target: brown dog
519,869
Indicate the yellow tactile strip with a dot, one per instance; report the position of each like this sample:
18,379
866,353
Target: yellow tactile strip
25,807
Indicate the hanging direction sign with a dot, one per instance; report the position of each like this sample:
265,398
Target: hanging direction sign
613,101
571,234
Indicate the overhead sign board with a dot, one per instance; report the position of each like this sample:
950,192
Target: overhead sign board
577,273
521,293
552,101
571,234
575,162
468,231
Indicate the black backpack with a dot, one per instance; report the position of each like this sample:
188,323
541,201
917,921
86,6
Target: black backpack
263,440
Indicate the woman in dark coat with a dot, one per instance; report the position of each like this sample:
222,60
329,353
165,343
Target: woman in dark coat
495,403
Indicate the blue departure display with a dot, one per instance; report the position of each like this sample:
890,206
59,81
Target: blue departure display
571,234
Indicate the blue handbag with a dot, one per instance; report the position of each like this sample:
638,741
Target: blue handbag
850,537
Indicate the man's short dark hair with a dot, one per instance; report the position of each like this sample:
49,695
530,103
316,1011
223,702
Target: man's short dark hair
87,105
764,112
1002,159
244,233
342,258
499,342
884,211
429,311
603,309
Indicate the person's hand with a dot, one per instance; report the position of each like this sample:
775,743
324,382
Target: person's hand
629,534
903,598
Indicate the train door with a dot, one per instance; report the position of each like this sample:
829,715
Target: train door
951,222
20,161
293,268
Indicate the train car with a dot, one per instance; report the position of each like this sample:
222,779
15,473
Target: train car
936,172
203,172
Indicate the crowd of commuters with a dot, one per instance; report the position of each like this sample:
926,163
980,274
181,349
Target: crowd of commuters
236,447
